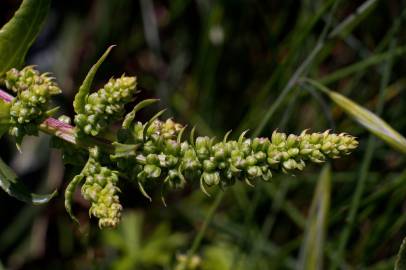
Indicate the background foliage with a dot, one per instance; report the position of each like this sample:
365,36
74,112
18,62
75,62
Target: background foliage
224,65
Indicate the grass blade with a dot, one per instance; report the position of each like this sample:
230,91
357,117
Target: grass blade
311,254
401,257
362,65
346,26
366,118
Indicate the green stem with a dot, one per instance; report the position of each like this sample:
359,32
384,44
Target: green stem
199,237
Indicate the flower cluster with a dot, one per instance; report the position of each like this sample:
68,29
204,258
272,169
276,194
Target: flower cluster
100,189
30,107
153,153
106,105
159,155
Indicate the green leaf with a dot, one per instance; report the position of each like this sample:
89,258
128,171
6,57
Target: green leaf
401,257
311,254
374,59
366,118
84,89
346,27
9,183
69,192
129,118
19,33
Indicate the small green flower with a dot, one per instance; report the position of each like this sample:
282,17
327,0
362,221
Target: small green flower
161,156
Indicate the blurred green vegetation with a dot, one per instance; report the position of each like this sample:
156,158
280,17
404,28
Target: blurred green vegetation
221,65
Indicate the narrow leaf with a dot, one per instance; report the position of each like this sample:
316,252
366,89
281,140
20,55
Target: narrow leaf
366,118
346,26
69,192
401,257
84,89
10,184
19,33
311,253
374,59
150,121
129,118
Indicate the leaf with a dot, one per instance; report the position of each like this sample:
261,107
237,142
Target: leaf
345,27
374,59
366,118
9,183
17,36
400,263
311,253
84,89
69,192
129,118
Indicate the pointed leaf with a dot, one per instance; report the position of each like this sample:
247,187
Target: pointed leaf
366,118
10,184
129,118
20,32
401,257
84,89
69,192
150,121
311,253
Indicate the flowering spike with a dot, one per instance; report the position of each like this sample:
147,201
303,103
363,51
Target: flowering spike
105,106
153,152
100,189
30,107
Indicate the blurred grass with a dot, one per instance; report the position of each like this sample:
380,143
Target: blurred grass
312,250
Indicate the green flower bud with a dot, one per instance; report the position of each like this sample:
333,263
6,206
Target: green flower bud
211,179
203,146
152,171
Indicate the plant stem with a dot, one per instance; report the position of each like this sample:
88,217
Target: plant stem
64,131
198,239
